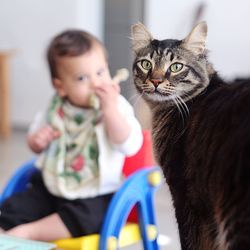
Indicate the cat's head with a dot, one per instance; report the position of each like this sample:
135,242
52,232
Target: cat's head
169,69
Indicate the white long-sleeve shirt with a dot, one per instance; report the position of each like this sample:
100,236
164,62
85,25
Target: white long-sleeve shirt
111,159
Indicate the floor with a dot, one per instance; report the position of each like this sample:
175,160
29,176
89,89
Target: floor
13,152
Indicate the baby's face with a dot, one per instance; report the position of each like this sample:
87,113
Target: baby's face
79,75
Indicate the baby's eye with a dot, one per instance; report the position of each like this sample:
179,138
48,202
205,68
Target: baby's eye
82,78
100,72
176,67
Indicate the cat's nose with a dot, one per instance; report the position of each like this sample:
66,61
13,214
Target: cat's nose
156,81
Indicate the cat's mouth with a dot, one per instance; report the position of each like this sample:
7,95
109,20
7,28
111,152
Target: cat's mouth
157,94
154,91
160,92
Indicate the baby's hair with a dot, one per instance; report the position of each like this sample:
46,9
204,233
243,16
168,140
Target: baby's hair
70,43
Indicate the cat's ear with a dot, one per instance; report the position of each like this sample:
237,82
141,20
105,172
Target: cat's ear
141,37
196,39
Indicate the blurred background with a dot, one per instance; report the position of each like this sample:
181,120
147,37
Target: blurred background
27,26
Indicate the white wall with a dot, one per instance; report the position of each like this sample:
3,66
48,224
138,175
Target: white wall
228,29
27,27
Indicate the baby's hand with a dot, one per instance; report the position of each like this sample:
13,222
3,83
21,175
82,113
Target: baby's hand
40,140
108,95
121,75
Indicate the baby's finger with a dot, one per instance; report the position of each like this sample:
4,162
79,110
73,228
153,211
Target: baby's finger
50,132
40,142
117,88
46,135
56,134
100,91
42,138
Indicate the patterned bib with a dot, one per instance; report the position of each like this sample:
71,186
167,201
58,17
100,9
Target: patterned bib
73,157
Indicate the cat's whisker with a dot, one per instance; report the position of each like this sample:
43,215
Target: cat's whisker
138,98
175,96
175,100
133,97
170,87
183,104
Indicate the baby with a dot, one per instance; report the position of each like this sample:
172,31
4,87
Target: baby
82,149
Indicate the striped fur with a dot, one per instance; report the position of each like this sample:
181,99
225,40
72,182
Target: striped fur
201,134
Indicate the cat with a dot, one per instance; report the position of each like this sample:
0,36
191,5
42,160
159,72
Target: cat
201,137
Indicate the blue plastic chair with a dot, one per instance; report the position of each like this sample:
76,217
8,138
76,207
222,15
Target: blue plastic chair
19,180
138,189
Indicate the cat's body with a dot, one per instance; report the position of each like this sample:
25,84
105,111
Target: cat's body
203,145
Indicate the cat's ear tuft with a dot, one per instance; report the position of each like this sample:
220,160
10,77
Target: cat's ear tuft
196,39
141,37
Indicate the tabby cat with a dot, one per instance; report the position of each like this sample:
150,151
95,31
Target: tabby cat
201,134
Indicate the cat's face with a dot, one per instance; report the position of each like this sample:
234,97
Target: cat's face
170,70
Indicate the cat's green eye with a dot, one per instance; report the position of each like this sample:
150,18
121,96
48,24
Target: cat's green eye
146,64
176,67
